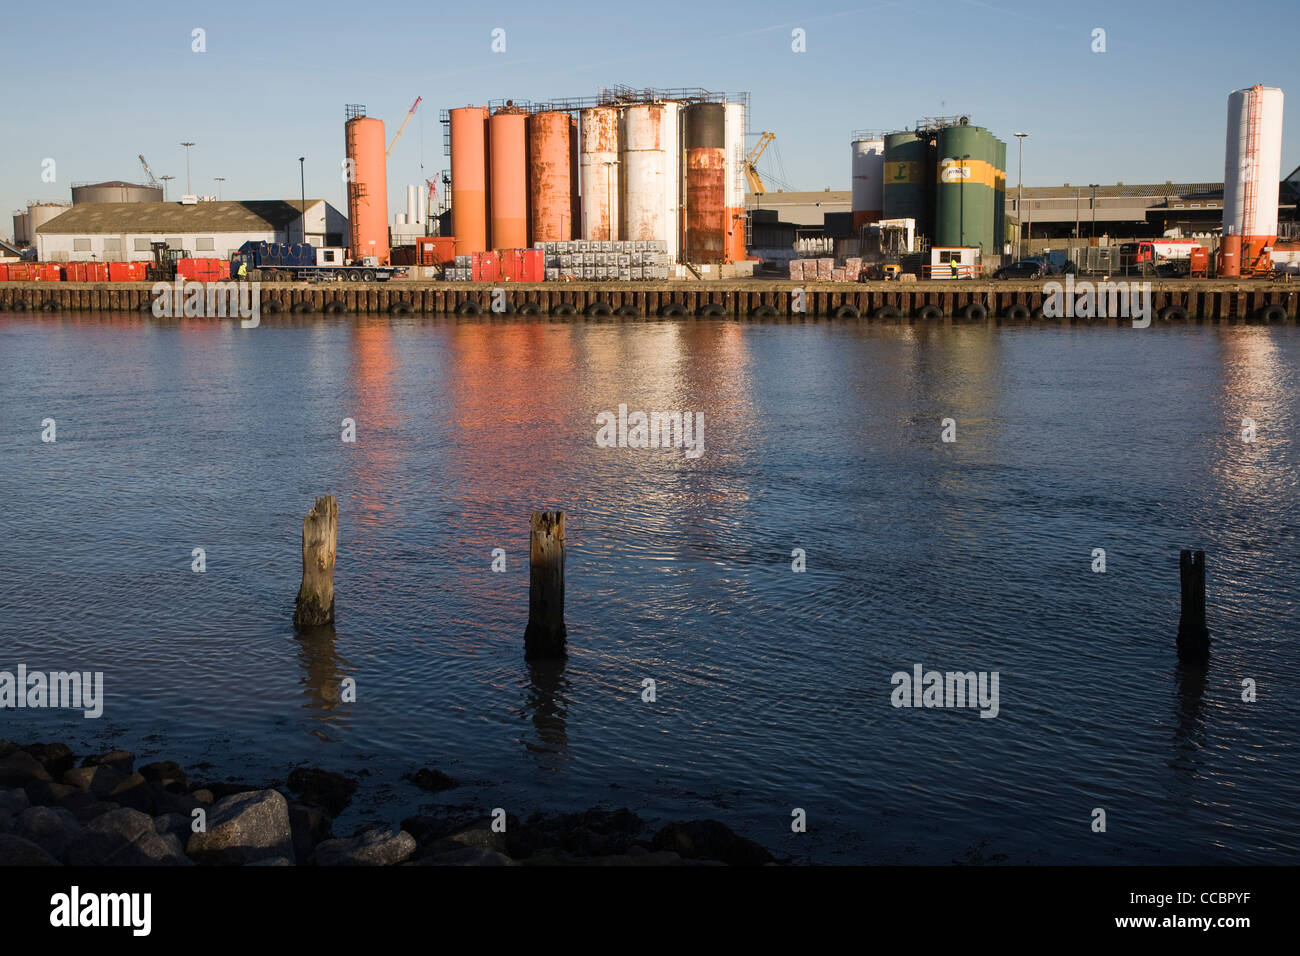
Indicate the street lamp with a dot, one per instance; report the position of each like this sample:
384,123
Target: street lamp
165,180
1020,193
609,195
302,184
188,191
220,180
1093,187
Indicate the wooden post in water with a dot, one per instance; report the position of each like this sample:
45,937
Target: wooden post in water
1193,635
320,532
546,634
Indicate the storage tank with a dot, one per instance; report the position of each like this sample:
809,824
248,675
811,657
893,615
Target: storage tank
116,191
1000,197
508,189
868,180
907,189
706,183
39,213
646,175
368,190
469,179
1252,168
734,193
22,231
599,148
550,177
963,212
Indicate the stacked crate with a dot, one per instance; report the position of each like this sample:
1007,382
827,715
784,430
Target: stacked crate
606,260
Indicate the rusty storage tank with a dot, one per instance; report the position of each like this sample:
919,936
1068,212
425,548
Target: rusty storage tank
734,192
469,221
868,173
599,173
368,190
550,176
508,187
706,183
574,186
115,191
645,173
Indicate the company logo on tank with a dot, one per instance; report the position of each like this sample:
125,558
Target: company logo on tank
896,172
970,170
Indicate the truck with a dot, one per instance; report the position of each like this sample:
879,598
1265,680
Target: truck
301,261
1162,256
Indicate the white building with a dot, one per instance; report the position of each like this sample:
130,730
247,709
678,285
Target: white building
122,232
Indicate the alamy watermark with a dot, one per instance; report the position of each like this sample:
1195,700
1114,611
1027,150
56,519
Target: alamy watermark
922,688
1098,300
209,300
69,690
651,430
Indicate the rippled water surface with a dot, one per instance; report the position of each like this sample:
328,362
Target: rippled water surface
773,687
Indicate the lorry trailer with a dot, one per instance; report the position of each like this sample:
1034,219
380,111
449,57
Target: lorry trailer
301,261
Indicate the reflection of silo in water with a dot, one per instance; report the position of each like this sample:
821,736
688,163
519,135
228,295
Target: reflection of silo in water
706,188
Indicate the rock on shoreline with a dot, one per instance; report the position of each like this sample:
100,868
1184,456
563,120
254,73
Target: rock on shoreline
104,811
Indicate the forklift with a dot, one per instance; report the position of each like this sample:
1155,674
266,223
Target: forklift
163,267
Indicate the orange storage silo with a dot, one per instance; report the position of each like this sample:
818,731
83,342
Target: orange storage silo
368,189
550,177
574,165
508,161
469,179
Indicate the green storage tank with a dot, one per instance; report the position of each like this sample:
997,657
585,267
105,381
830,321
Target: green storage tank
1000,198
964,188
907,179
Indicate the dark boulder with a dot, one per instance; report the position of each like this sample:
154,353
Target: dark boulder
333,791
710,840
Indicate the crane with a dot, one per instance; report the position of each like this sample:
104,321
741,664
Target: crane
402,128
751,169
148,172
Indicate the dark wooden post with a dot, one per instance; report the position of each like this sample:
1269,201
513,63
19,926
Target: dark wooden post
546,634
320,532
1193,635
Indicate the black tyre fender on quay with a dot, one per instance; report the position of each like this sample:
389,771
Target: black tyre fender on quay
626,311
929,312
1173,313
711,310
49,305
528,308
1272,314
846,311
598,308
400,308
763,312
271,307
564,308
21,305
299,307
1016,312
974,312
888,312
335,307
469,307
672,310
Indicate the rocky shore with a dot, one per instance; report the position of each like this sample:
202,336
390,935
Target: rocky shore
103,810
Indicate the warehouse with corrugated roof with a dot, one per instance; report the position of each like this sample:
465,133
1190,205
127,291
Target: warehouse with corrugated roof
123,231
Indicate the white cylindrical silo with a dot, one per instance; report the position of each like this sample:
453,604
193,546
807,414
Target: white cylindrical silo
1253,162
868,180
421,207
673,175
645,173
410,205
734,179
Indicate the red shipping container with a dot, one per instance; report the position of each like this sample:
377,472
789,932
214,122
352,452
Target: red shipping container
508,270
534,266
485,267
4,272
436,250
19,272
126,271
74,272
96,271
48,272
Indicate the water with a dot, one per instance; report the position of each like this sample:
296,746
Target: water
773,688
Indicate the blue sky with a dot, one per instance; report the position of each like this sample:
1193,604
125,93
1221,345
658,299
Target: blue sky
93,85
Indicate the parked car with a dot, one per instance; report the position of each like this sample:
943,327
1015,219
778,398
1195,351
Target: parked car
1025,269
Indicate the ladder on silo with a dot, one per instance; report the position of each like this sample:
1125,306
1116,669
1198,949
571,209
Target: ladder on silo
1255,105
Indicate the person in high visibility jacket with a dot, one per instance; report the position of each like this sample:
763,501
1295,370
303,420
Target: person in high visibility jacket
954,268
243,270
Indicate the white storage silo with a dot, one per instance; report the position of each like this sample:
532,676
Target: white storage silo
868,180
734,181
1253,163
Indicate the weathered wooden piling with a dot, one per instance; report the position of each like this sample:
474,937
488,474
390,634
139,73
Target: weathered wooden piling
1193,635
320,532
546,634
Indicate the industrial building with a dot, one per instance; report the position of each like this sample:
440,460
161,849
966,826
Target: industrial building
122,232
627,165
